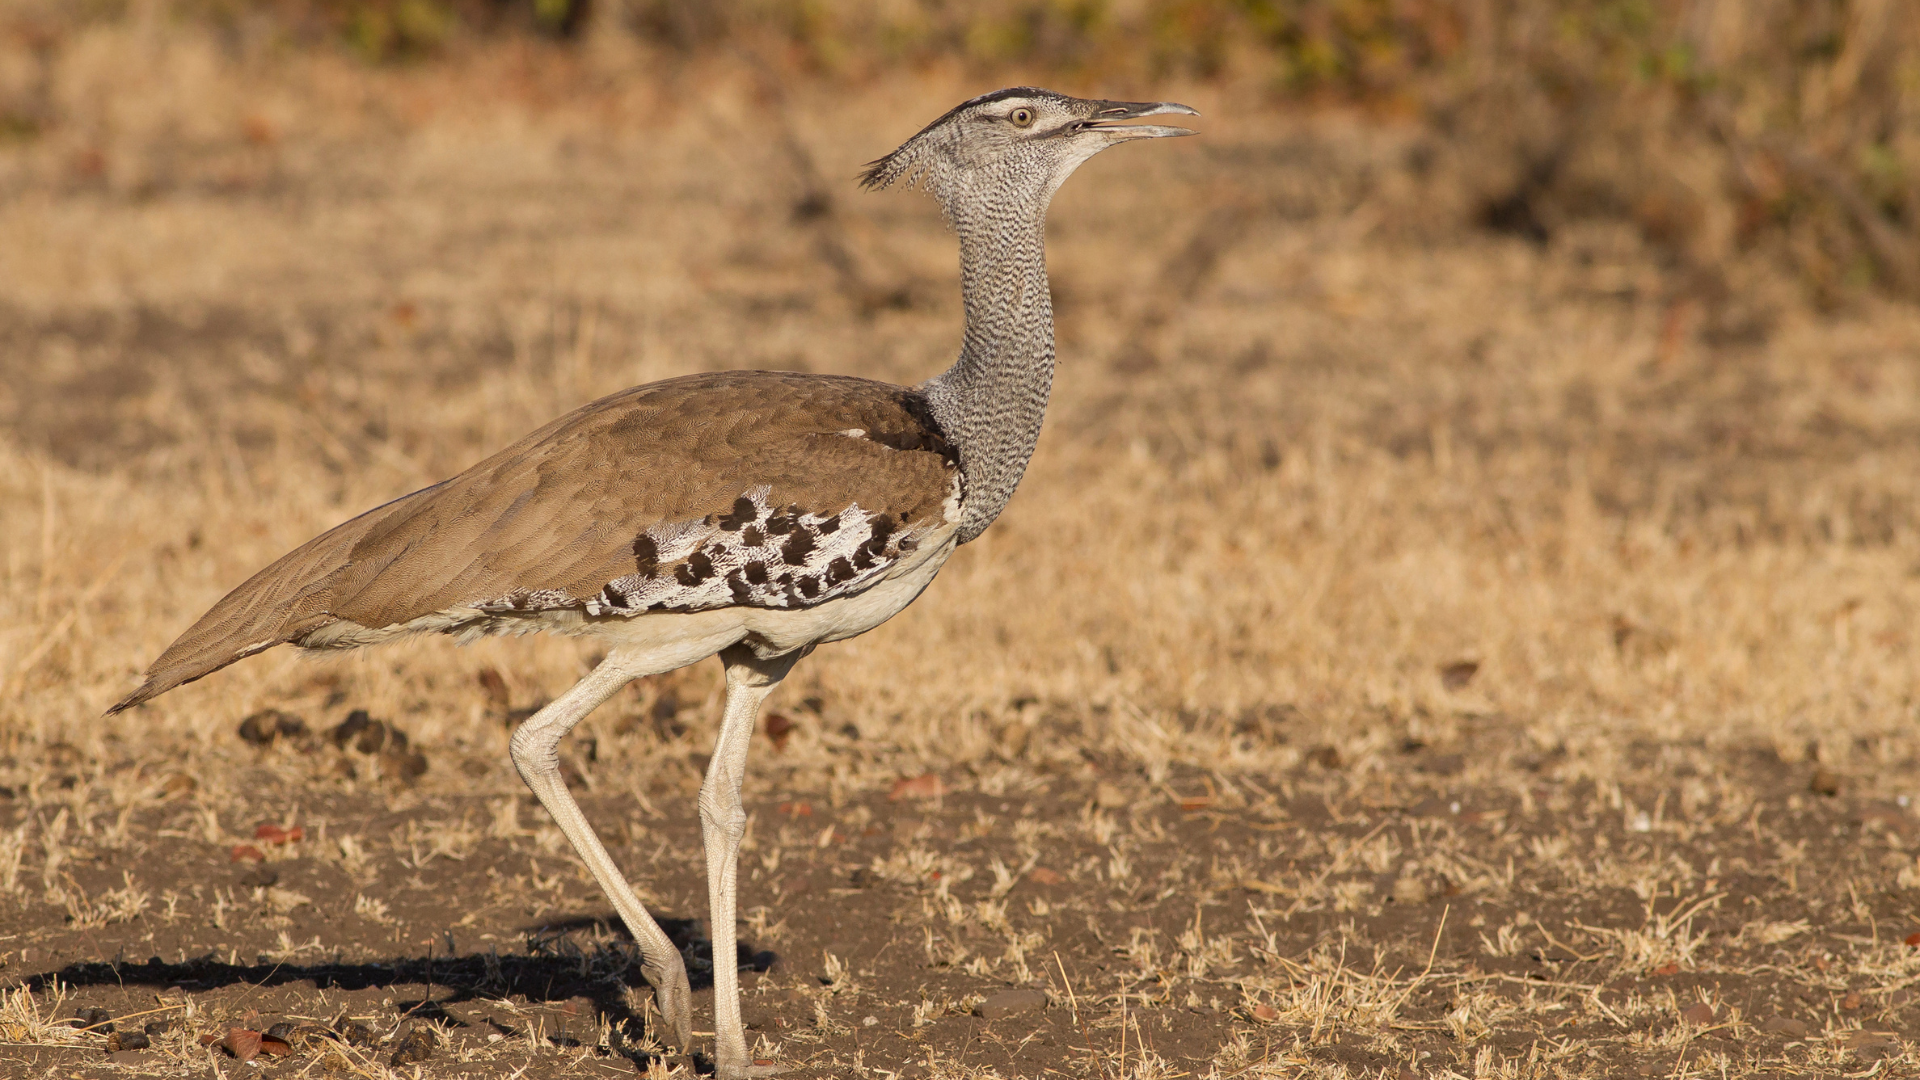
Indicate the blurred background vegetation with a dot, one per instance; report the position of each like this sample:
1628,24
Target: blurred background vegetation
1762,133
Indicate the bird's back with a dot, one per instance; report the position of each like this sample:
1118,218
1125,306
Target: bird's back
756,489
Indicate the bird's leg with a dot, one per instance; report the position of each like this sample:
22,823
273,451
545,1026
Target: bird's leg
723,821
534,748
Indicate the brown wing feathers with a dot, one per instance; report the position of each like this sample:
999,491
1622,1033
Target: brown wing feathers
575,511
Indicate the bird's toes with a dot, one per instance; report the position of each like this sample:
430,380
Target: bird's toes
674,1005
677,1008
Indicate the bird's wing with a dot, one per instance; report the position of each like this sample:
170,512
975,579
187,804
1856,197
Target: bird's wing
757,489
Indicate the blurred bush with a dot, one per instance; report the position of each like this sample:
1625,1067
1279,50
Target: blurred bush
1783,132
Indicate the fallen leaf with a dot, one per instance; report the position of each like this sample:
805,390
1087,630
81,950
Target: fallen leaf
1040,875
274,834
924,786
1265,1013
1851,1001
795,809
242,1043
1668,968
1699,1013
246,853
780,728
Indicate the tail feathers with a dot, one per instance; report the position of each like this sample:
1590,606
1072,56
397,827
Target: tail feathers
173,670
284,603
273,607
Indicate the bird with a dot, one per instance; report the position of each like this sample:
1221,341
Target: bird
753,515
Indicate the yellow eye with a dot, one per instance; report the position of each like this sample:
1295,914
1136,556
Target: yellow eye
1021,117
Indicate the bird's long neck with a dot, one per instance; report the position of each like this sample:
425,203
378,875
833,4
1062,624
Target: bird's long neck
991,401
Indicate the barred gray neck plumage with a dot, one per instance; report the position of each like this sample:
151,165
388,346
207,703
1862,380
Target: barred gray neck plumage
993,399
994,163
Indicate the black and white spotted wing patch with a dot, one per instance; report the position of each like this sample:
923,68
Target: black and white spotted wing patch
754,555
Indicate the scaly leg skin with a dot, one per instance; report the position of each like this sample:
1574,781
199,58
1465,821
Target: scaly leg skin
535,754
723,821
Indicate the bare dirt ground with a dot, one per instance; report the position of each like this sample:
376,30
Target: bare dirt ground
1415,651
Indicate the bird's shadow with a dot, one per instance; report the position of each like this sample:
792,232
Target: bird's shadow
555,966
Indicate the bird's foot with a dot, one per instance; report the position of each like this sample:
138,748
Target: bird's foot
725,1071
673,996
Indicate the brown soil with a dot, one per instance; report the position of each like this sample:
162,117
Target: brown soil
1702,909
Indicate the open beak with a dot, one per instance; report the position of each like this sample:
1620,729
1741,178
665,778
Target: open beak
1110,114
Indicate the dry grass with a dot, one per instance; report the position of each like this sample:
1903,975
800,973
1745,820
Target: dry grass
1301,471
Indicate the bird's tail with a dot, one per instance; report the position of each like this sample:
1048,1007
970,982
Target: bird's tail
286,602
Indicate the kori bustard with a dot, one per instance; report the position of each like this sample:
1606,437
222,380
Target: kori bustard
751,514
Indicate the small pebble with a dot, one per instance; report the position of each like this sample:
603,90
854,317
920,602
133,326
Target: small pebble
1010,1003
1871,1045
1699,1013
1781,1025
1457,675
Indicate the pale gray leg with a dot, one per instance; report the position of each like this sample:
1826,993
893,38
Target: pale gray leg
723,821
535,755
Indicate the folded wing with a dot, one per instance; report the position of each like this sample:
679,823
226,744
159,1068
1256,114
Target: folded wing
753,489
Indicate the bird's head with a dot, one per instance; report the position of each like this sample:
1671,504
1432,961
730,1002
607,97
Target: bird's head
1021,142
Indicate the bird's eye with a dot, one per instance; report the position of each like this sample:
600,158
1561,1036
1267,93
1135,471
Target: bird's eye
1021,117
